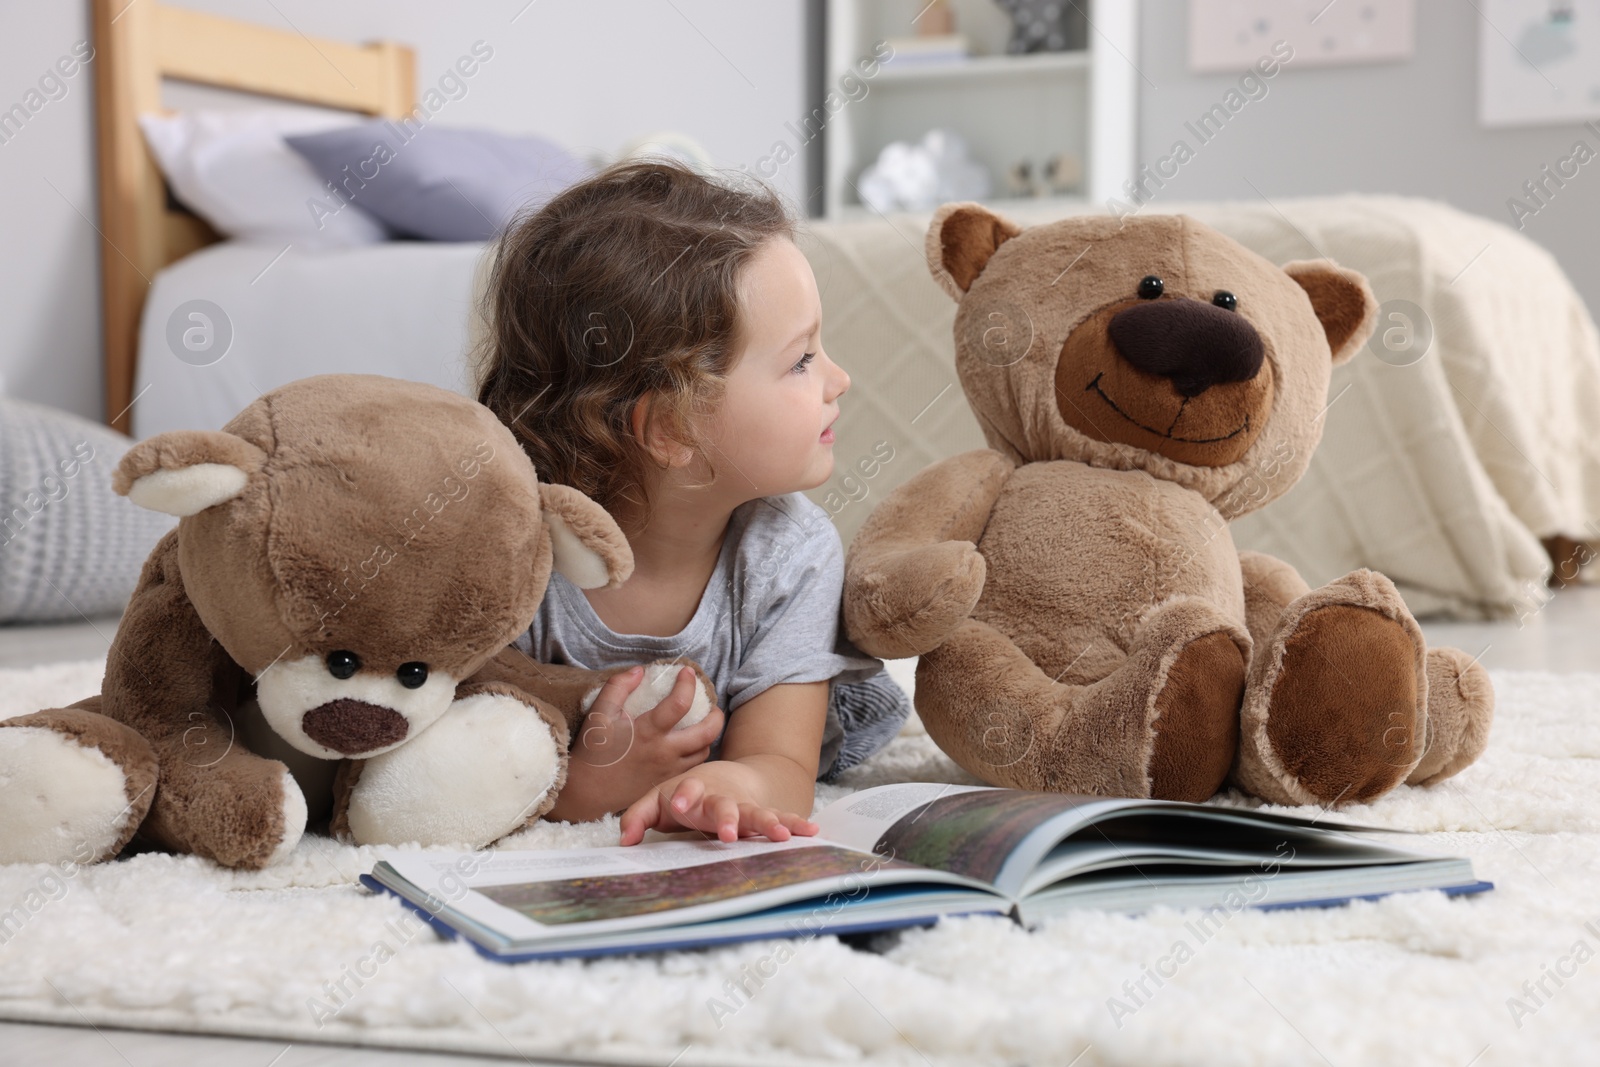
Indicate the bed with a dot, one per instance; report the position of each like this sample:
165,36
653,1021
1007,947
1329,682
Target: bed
1452,469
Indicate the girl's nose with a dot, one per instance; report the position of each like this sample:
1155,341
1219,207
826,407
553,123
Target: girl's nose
841,380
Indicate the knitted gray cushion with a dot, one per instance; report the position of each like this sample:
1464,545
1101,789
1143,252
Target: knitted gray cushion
69,546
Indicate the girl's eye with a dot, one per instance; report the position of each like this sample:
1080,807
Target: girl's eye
805,359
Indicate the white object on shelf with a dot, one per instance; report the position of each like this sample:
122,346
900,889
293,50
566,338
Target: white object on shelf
922,176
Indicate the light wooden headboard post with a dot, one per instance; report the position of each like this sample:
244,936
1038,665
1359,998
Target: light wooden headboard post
137,44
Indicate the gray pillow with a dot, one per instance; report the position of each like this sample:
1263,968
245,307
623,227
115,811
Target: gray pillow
438,183
69,546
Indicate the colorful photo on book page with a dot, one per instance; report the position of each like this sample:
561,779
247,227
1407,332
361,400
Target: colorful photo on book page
615,896
970,832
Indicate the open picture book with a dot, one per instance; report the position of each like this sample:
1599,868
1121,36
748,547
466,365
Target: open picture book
900,855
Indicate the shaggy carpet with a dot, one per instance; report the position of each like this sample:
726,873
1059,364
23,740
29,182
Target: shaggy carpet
165,942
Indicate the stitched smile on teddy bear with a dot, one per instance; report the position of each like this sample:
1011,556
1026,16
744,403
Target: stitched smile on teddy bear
1183,377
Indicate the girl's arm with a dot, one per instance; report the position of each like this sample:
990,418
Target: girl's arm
766,778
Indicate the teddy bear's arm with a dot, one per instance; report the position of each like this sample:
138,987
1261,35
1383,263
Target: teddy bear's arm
169,680
556,684
913,571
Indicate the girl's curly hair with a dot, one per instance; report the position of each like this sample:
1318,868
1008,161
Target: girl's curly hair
624,285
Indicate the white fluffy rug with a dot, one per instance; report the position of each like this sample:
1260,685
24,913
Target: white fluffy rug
167,942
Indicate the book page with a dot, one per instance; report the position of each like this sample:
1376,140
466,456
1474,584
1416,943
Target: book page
526,893
964,829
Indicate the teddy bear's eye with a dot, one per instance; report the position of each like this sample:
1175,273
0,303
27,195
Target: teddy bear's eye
1150,287
343,664
412,675
1225,300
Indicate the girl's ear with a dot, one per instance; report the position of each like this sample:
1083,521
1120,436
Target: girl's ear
587,544
183,472
664,448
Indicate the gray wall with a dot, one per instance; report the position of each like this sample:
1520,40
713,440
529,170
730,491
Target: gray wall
1409,128
587,73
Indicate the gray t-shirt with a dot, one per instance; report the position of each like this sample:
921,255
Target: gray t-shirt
770,613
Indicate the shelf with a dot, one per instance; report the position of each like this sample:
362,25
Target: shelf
1002,66
1007,108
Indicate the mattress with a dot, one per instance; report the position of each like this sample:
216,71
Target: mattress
269,316
1444,473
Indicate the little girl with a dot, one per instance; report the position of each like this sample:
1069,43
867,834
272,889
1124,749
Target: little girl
656,342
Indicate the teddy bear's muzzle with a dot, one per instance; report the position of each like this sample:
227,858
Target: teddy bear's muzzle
1195,345
354,727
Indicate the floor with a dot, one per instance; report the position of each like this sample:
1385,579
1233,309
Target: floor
1562,635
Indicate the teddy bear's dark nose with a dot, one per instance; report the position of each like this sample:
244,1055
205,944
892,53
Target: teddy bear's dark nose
1196,345
354,726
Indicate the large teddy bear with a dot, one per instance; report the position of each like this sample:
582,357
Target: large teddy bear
1084,621
325,632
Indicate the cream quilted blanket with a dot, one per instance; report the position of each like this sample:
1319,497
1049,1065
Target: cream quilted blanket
1441,467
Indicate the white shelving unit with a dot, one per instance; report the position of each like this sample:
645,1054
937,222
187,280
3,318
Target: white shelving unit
1006,107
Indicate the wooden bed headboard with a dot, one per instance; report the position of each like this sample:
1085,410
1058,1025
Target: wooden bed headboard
137,44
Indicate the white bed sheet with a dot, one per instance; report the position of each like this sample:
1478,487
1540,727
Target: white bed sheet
401,308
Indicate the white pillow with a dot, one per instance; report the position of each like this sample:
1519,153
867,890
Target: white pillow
233,169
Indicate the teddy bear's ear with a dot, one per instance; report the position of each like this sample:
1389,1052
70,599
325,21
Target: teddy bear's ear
587,544
960,240
1342,300
183,472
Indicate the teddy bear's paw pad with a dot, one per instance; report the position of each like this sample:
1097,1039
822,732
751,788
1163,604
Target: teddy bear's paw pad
656,686
472,777
1197,720
1343,719
61,801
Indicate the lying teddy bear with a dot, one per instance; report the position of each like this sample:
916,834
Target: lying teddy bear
355,556
1084,621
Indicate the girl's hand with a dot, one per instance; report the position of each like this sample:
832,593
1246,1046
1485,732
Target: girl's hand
713,798
616,757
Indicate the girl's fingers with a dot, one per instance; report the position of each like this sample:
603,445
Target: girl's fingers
641,814
724,815
604,737
616,690
769,823
693,759
665,715
798,824
689,793
701,734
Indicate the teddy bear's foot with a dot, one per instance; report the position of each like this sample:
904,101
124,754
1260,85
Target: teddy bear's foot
1163,722
74,786
490,765
1335,712
236,808
657,684
1460,710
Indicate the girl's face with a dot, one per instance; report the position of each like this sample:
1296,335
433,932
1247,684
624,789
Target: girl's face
772,433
